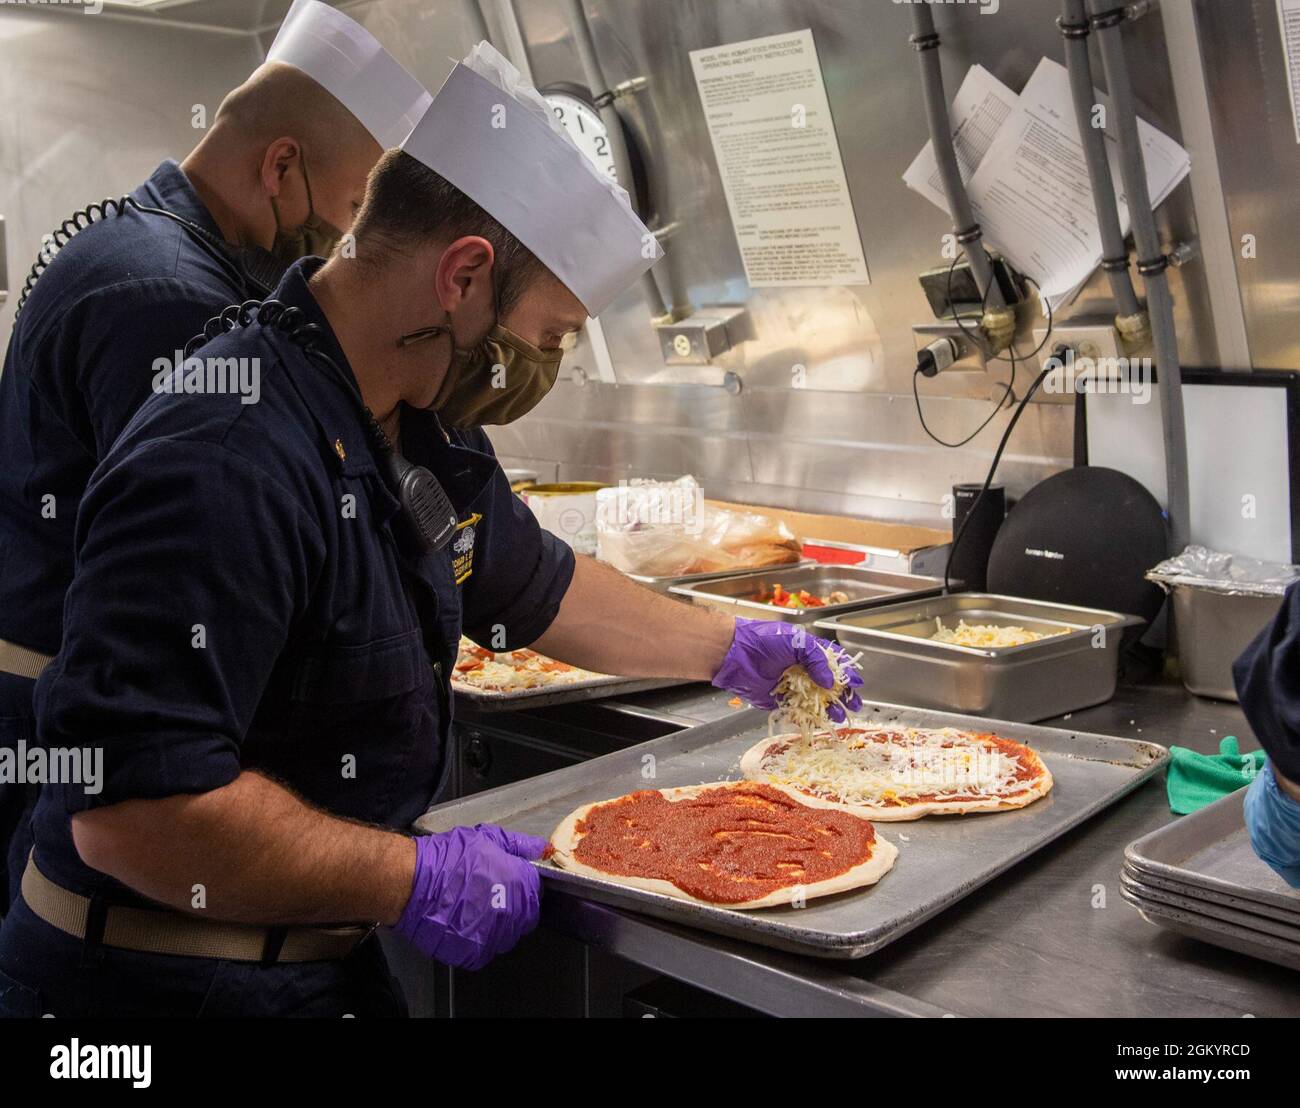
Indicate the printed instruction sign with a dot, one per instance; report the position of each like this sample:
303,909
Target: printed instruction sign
1288,15
775,144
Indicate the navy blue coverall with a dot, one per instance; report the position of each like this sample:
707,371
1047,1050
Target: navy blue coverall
248,596
128,289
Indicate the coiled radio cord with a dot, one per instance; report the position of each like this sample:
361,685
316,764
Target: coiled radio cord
425,504
57,239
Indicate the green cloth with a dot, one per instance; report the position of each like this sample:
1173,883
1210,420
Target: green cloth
1196,780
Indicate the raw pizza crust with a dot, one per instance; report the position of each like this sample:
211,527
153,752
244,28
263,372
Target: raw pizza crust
751,769
566,838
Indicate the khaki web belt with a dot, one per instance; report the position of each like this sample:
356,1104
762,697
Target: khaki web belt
20,661
163,932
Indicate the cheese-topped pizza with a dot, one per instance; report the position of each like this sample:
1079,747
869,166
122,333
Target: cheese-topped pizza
739,844
512,670
890,772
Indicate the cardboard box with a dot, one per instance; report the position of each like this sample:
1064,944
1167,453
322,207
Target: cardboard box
843,540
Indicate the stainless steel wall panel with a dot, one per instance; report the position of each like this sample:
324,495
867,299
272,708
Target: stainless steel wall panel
849,440
91,106
1259,165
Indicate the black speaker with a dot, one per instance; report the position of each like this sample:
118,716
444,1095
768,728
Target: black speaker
1085,536
970,558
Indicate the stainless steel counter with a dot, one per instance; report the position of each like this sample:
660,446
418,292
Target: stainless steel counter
1052,937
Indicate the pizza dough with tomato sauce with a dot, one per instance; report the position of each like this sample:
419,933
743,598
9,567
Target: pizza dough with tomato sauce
735,844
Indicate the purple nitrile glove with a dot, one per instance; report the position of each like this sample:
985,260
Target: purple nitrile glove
475,894
763,649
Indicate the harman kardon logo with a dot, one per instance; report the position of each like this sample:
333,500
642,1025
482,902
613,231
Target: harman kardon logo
1034,552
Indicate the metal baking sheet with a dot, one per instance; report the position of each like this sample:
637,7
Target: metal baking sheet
941,859
1233,917
1211,849
663,584
1198,926
593,689
736,595
1209,898
1073,668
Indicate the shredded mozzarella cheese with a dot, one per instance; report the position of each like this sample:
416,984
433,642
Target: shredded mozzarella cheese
865,769
801,703
987,634
512,670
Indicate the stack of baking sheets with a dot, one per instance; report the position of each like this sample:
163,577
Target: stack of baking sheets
1199,876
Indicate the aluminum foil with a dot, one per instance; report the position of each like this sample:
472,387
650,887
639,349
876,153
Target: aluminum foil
1230,574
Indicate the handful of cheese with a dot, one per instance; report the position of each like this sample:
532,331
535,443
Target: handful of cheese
801,703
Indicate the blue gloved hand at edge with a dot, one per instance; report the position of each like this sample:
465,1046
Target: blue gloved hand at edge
1273,820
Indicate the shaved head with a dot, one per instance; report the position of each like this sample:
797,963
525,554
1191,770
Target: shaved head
280,149
280,101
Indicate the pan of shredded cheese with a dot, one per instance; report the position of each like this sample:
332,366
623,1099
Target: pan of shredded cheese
987,634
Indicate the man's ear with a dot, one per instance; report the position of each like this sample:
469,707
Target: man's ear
464,267
278,158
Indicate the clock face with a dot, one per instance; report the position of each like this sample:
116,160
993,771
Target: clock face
584,126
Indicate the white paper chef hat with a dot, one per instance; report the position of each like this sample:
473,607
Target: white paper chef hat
492,135
349,63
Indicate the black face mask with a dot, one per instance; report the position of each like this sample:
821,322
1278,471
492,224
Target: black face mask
264,268
312,237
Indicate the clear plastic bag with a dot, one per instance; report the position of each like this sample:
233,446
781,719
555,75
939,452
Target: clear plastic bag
1231,574
665,529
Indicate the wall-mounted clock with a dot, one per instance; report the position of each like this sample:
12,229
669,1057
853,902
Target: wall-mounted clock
576,110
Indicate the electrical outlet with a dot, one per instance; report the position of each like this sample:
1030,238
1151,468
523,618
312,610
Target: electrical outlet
1096,342
1096,353
703,336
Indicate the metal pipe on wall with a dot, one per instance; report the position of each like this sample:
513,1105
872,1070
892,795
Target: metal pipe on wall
926,42
595,78
478,27
1151,264
1114,254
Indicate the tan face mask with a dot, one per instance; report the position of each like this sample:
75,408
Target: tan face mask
312,237
497,381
